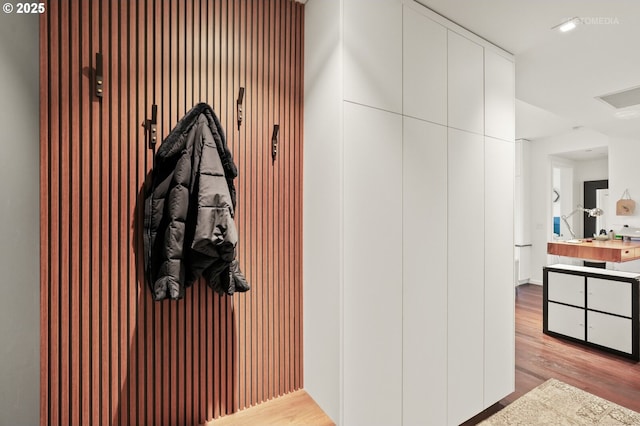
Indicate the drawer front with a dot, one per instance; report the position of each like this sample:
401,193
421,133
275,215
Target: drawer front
565,288
565,320
609,296
627,254
607,330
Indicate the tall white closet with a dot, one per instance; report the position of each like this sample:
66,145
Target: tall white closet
408,215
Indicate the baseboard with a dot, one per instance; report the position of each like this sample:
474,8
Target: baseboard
529,281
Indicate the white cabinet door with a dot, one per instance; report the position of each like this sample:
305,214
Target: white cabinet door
373,53
424,272
465,84
465,214
609,296
566,320
566,288
610,331
499,97
499,320
372,266
424,68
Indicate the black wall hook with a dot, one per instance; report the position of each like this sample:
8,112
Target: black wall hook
99,78
150,125
239,106
274,142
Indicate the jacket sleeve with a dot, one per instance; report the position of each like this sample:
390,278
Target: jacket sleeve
215,234
170,278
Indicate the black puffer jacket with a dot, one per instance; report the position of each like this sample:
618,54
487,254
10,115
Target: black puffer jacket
188,224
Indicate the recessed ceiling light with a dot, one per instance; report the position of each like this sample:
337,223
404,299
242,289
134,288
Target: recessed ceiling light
567,25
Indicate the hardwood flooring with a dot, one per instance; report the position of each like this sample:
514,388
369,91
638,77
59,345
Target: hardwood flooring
296,408
540,357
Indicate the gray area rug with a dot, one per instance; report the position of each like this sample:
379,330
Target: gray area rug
557,403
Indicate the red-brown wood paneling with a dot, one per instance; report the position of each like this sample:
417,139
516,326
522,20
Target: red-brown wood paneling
110,355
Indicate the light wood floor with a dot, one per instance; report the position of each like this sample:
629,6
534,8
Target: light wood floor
296,408
540,357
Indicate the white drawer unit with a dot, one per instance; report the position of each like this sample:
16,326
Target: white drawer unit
610,331
565,288
593,306
609,296
566,320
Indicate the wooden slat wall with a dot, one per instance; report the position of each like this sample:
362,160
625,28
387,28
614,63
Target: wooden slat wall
110,355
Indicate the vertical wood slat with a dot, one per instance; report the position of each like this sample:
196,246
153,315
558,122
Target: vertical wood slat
220,370
122,403
281,212
64,176
134,181
146,32
85,181
113,167
54,229
171,324
75,226
284,190
157,335
187,347
211,402
53,328
275,195
299,153
213,340
262,98
239,302
44,220
162,344
298,163
95,213
254,265
198,44
110,355
268,124
104,388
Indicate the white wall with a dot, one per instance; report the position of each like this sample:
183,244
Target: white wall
522,219
585,171
19,227
541,209
563,171
323,161
591,170
624,173
557,181
569,177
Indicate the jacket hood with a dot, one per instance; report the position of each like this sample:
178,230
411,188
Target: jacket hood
176,141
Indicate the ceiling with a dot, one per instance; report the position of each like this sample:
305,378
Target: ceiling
558,75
